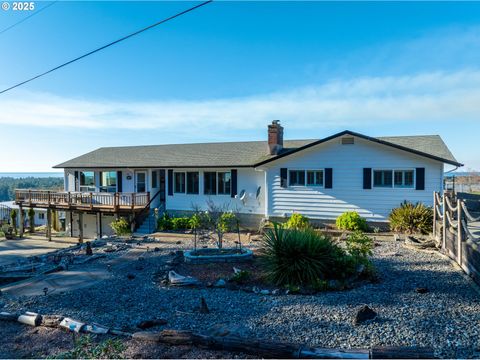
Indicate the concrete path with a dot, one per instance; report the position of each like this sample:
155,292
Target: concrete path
79,276
14,250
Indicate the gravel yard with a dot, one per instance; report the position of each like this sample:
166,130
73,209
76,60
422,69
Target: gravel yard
447,317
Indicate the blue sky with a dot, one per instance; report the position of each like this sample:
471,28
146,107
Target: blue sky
224,71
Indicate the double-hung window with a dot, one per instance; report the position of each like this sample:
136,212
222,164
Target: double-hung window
393,178
403,178
210,183
192,182
382,178
314,177
296,178
179,182
154,179
224,183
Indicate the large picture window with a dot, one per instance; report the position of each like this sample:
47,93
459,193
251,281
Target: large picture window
87,181
179,182
108,181
224,183
297,178
210,183
192,182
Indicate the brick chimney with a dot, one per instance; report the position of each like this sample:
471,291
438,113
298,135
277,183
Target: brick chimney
275,137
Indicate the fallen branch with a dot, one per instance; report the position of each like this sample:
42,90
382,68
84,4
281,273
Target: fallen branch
257,347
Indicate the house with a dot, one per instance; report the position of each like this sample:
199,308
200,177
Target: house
259,179
40,217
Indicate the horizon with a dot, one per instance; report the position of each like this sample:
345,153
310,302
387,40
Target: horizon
222,72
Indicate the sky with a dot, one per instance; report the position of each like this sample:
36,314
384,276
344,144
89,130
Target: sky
225,70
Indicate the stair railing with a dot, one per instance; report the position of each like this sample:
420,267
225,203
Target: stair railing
140,217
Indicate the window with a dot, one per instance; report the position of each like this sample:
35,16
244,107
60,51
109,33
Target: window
179,182
382,178
315,177
108,181
41,216
210,183
154,179
192,182
403,178
224,183
87,181
297,178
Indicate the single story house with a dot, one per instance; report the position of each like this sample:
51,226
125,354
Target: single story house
40,217
320,178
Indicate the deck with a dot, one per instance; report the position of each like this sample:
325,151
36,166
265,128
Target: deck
82,201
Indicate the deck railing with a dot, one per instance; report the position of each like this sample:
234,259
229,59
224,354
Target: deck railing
82,200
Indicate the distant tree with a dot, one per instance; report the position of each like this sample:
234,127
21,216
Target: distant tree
9,184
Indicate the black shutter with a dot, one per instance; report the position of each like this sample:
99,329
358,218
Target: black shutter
234,183
170,182
328,178
420,179
283,177
76,181
367,178
119,181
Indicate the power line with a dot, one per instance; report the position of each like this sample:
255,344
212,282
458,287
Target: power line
28,17
107,45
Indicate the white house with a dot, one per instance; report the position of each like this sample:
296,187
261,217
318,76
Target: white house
259,179
40,217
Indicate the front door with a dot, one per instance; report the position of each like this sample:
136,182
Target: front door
140,181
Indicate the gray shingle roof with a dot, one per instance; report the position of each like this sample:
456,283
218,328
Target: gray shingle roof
234,154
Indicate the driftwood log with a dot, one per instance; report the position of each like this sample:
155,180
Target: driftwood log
257,347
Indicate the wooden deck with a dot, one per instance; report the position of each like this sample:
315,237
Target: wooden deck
82,201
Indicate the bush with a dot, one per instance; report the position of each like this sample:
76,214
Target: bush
180,223
121,227
411,219
227,222
299,257
165,222
359,245
241,277
85,348
297,221
351,220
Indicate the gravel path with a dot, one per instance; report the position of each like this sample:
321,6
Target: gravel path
446,318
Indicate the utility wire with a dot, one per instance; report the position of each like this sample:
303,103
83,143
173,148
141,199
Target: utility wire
107,45
28,17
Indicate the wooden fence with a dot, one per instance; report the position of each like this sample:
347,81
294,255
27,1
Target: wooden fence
451,220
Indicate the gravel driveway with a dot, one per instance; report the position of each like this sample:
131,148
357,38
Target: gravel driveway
446,318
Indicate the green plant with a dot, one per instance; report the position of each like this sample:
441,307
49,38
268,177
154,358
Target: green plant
13,219
298,257
227,221
180,223
359,245
86,348
297,221
240,277
195,221
31,219
165,222
351,220
409,218
220,220
121,227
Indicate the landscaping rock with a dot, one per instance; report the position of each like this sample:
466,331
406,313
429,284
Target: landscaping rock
422,290
264,292
130,276
203,306
364,314
220,283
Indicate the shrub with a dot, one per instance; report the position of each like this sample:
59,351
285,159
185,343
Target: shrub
241,277
298,257
85,348
13,219
351,220
180,223
195,221
227,222
121,227
31,219
165,222
297,221
359,245
410,218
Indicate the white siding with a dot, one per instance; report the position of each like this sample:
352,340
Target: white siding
247,179
347,162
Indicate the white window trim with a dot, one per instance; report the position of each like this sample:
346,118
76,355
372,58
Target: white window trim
393,178
306,179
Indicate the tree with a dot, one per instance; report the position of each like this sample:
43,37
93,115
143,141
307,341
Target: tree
31,220
13,219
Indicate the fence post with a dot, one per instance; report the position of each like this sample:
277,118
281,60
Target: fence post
459,232
444,221
435,215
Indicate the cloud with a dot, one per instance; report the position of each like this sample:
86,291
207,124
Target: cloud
437,96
